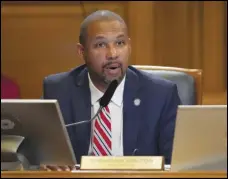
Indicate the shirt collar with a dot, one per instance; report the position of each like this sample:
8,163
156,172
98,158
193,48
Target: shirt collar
96,94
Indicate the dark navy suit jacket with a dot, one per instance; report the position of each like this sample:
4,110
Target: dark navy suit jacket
148,127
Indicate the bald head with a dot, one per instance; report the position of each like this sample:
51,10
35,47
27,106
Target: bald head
101,15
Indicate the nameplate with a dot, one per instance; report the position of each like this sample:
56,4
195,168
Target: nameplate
122,163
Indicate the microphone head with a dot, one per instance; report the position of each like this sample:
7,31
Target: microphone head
105,99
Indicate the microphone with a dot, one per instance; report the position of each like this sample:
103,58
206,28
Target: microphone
106,98
104,101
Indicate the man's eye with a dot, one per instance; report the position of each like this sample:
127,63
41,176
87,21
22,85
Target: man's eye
119,43
100,45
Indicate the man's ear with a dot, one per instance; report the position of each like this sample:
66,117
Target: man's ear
80,50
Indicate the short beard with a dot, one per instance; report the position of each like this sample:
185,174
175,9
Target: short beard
108,81
101,81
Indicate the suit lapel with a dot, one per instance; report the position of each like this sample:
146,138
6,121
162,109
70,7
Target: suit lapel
81,107
131,116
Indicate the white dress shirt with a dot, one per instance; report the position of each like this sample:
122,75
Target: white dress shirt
116,113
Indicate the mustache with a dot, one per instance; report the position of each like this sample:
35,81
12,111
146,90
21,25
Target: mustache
110,63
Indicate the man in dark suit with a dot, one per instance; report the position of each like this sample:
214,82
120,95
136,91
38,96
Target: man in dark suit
142,111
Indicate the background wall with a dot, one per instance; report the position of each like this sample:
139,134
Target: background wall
39,38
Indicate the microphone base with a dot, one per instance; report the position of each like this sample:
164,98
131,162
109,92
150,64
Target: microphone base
12,166
14,162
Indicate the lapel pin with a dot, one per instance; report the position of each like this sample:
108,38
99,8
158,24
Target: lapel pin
137,102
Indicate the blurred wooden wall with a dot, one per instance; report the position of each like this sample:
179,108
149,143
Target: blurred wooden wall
39,38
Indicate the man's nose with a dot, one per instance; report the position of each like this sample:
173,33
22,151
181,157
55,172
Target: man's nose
112,53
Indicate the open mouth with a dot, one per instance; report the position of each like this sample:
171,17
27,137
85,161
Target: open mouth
113,66
113,69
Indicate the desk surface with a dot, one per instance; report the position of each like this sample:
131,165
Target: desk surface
112,173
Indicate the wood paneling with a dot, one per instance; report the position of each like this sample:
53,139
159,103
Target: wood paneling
182,34
215,98
39,38
141,30
214,50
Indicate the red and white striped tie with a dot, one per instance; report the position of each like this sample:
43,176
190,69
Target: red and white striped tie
102,134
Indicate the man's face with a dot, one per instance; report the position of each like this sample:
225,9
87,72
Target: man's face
107,50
